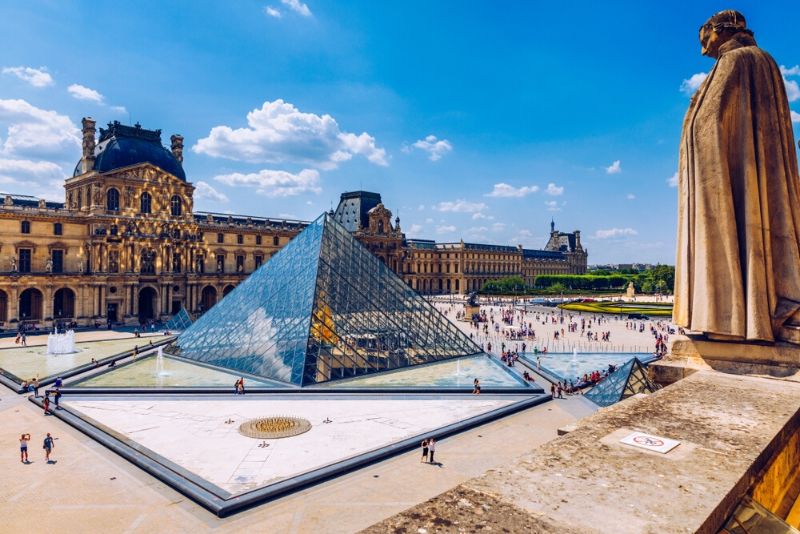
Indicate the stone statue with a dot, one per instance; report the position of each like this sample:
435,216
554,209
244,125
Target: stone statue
49,266
13,264
737,272
630,292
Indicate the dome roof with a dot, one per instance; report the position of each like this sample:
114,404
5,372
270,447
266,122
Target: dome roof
122,146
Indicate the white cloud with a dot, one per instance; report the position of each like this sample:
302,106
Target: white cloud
43,179
630,196
478,215
504,190
614,168
429,220
272,12
795,116
421,207
205,190
436,148
118,109
298,7
691,85
790,71
278,133
82,92
498,227
554,190
672,181
615,232
415,230
445,229
273,183
552,205
460,206
36,77
34,131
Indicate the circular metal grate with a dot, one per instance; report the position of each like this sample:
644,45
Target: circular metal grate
274,427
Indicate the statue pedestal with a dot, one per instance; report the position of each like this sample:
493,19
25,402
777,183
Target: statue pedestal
470,311
689,354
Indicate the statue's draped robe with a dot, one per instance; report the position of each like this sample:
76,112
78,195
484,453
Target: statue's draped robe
738,259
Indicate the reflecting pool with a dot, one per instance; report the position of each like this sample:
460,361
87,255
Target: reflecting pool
458,373
568,366
152,372
33,361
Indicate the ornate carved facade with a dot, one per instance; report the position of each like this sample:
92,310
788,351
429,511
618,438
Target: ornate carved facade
126,246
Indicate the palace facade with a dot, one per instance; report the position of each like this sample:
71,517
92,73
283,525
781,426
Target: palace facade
127,247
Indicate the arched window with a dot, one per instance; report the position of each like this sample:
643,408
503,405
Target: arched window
112,200
175,205
145,202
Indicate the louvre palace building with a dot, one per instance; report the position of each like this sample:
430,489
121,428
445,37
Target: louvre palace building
127,246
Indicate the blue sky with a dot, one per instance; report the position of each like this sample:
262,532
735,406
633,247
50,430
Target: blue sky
474,120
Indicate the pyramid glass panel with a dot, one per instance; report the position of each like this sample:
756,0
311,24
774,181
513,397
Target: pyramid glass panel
628,380
179,321
323,308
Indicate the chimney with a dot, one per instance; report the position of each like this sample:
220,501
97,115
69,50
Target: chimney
87,160
177,147
577,240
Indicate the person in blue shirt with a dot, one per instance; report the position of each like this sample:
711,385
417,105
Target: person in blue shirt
48,447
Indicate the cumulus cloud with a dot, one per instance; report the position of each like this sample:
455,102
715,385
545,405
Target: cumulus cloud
436,148
275,183
39,178
478,215
630,196
790,71
82,92
33,131
272,12
414,230
445,229
460,206
672,181
615,232
552,205
504,190
691,85
205,190
298,7
614,168
278,132
554,190
792,88
795,116
36,77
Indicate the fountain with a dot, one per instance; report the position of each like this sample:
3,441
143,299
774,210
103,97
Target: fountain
63,343
160,372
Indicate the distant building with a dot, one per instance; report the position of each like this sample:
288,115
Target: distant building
127,246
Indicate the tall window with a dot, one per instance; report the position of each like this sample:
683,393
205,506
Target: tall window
258,240
176,263
24,260
220,238
145,202
175,205
239,264
112,200
57,257
148,261
259,261
220,263
276,241
58,229
113,261
25,227
240,239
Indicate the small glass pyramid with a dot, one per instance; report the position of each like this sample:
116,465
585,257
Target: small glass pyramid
179,321
628,380
323,308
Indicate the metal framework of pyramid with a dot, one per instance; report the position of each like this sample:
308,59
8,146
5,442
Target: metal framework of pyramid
630,379
179,321
323,308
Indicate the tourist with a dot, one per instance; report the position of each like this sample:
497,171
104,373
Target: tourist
46,403
56,398
236,387
476,387
36,387
240,387
24,339
424,446
23,448
135,352
48,448
95,363
553,390
59,382
560,391
432,448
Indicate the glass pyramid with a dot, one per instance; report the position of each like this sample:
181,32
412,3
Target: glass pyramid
628,380
179,321
323,308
